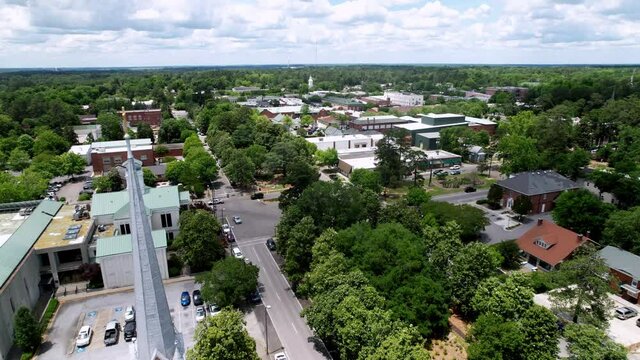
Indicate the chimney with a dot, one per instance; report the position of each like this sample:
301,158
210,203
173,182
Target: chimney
540,222
579,237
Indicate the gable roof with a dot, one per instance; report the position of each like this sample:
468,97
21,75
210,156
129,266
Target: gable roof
621,260
560,242
117,203
537,182
20,242
121,244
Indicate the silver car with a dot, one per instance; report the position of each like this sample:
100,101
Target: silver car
624,313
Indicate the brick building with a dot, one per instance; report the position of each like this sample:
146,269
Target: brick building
152,117
625,268
519,92
107,154
541,187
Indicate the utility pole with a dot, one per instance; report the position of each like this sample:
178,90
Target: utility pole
266,327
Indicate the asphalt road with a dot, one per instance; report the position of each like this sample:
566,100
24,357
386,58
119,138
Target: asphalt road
462,198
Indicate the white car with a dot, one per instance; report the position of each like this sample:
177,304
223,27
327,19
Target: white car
200,313
455,167
84,336
225,228
280,356
237,220
237,253
129,314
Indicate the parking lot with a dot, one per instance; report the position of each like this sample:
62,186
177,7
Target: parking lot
97,311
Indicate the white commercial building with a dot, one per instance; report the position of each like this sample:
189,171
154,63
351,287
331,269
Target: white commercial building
404,98
346,142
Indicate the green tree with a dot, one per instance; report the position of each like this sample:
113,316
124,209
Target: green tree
298,249
584,288
572,164
367,179
197,243
493,338
48,141
161,150
582,212
69,135
518,154
72,164
229,282
25,143
306,120
622,230
111,126
108,182
508,298
389,155
404,344
145,132
327,157
474,263
26,330
540,329
510,252
223,337
471,219
240,169
149,177
522,206
587,342
18,160
494,196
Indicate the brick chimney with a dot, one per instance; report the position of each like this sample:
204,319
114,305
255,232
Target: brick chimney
540,221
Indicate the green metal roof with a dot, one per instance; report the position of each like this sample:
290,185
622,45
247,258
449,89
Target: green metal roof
121,244
114,202
184,196
20,242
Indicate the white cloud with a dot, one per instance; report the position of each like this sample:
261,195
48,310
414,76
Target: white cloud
79,32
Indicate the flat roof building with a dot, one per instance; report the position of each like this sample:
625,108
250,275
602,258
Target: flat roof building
345,142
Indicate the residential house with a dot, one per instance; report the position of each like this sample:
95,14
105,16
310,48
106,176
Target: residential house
153,117
625,268
541,187
546,245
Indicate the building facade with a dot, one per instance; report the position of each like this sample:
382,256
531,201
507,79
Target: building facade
345,142
153,117
404,98
546,245
106,155
541,187
625,269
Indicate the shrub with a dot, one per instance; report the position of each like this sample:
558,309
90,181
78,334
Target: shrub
482,201
48,313
84,197
542,281
26,330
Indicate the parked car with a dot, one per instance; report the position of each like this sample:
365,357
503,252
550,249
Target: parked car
226,229
197,298
129,330
256,196
280,356
87,185
237,253
255,297
271,244
469,189
437,171
455,167
200,313
129,314
455,172
237,220
217,201
185,299
84,336
624,313
111,333
214,309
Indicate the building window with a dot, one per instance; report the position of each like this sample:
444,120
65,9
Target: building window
541,243
143,157
544,196
106,161
125,229
170,235
166,220
13,307
634,283
117,160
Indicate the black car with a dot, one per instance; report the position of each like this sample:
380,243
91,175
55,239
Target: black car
197,298
129,330
271,245
255,297
256,196
469,189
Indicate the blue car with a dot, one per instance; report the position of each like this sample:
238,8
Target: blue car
185,299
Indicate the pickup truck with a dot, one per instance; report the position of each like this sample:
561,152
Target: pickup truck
111,333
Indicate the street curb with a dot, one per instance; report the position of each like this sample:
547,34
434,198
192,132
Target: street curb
87,295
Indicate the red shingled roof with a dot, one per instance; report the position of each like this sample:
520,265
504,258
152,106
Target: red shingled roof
560,242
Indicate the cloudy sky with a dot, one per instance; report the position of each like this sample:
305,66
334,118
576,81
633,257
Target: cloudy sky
71,33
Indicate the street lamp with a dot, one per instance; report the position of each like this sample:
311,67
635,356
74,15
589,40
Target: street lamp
266,328
430,169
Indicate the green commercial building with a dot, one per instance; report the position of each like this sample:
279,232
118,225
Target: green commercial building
425,129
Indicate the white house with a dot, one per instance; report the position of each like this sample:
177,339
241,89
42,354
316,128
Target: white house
404,98
346,142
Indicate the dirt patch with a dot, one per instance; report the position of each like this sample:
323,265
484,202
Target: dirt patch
452,348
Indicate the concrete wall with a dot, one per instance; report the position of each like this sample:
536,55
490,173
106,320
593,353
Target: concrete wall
21,290
117,270
156,220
